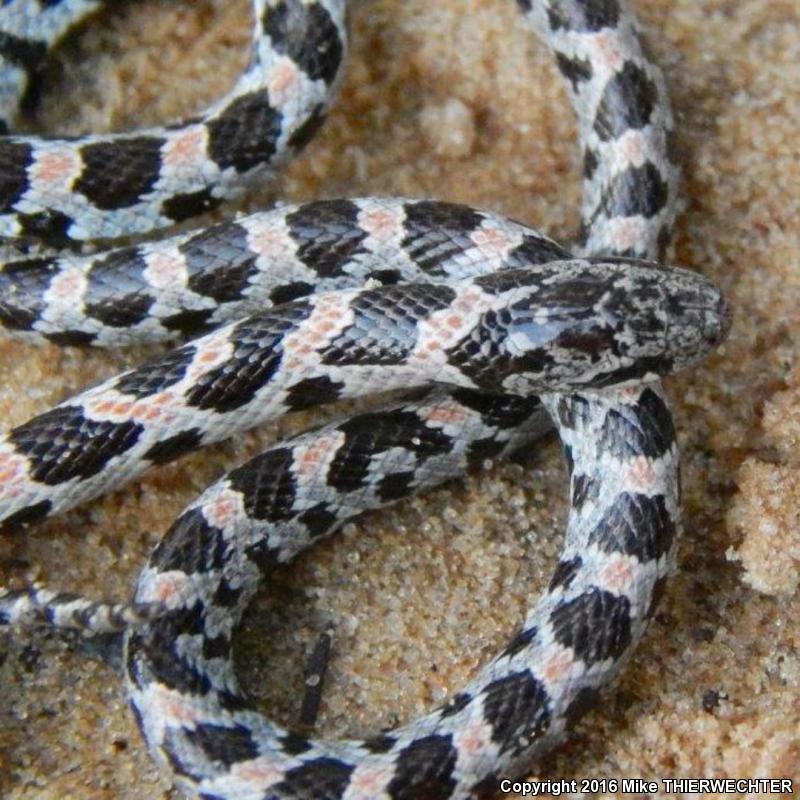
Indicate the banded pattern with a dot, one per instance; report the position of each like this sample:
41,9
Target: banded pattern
631,178
106,186
206,570
557,326
482,309
187,284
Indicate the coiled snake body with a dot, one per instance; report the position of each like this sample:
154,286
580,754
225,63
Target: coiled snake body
478,312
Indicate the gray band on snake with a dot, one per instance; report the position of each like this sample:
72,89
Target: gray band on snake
480,312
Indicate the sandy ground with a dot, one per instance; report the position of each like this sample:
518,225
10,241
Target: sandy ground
457,100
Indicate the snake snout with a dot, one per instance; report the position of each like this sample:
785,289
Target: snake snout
717,324
715,317
698,318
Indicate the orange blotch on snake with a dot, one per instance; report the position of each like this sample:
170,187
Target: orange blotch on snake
220,512
367,780
446,415
56,168
186,148
641,475
309,457
473,738
609,50
110,407
617,574
166,270
264,770
284,82
380,222
177,708
556,666
168,585
266,241
208,356
491,241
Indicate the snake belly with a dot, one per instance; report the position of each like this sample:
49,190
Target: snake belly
481,313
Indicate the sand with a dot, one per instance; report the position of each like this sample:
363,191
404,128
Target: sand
457,100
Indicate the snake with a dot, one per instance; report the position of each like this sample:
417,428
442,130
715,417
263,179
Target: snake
493,332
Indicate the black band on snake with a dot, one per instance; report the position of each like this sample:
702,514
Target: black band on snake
494,325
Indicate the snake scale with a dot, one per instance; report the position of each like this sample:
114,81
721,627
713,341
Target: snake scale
497,330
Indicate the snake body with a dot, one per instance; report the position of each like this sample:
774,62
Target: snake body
106,186
479,313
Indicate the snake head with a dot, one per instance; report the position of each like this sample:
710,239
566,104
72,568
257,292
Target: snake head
588,324
699,317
